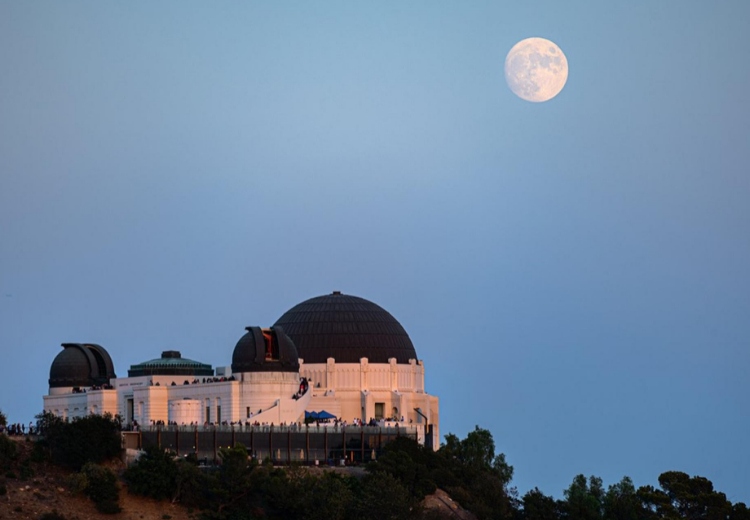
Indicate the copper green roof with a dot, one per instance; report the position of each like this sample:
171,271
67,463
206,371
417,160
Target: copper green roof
171,363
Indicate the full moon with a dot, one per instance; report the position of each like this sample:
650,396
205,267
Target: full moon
536,69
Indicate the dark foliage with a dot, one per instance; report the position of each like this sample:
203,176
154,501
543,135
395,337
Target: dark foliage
621,502
683,496
740,512
102,488
381,496
478,478
94,438
680,497
297,494
190,485
468,469
413,465
538,506
153,475
8,452
476,453
583,499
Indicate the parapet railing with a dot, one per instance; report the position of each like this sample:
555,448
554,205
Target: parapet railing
282,444
390,428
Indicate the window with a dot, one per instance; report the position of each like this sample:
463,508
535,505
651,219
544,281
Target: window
379,410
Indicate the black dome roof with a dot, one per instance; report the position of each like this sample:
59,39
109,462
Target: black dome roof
346,328
265,350
81,364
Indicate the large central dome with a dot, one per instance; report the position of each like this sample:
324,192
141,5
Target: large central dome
345,328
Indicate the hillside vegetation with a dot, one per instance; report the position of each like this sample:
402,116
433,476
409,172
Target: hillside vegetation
73,472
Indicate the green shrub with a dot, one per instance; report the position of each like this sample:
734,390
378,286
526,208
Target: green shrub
190,485
77,483
153,475
102,488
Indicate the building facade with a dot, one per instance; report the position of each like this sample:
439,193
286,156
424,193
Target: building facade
338,353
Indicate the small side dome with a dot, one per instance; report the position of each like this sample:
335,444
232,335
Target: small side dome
81,364
265,350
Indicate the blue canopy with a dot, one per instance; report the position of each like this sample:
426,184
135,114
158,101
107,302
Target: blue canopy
311,415
325,415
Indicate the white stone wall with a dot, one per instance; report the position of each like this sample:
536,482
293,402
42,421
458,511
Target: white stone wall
347,390
352,390
70,405
185,411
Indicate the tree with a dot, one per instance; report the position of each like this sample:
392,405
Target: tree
381,496
477,451
154,474
411,463
538,506
235,469
190,484
583,500
740,512
474,476
325,497
94,438
622,503
682,496
3,419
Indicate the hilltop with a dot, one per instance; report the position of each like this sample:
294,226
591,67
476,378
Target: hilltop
33,490
43,491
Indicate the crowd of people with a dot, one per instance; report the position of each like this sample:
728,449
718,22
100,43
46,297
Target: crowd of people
304,386
79,390
201,381
19,429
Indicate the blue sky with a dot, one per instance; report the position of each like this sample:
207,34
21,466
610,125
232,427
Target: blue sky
574,273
